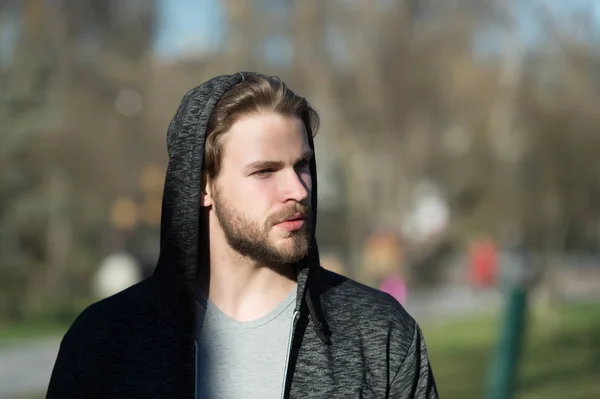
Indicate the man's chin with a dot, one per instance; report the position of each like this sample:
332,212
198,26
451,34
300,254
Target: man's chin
289,241
289,250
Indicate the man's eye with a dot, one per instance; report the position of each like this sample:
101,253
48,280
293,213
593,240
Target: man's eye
263,172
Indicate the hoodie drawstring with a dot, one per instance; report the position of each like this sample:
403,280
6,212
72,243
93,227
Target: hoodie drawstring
319,327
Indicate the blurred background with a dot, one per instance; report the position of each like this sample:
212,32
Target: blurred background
457,165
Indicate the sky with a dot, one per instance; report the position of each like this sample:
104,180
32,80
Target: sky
188,26
194,26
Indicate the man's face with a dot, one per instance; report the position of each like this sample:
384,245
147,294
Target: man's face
261,198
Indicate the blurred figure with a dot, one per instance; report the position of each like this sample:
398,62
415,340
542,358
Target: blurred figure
394,285
239,278
117,272
483,263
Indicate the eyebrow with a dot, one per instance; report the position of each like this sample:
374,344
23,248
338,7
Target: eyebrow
257,165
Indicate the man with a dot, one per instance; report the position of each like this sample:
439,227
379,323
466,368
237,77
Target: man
238,294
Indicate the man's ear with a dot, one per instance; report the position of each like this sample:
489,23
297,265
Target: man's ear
206,198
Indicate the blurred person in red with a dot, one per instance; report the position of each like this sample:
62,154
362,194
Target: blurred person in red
483,263
238,305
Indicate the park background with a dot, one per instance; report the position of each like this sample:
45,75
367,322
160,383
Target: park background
457,162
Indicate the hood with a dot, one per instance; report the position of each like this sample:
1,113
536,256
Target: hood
181,235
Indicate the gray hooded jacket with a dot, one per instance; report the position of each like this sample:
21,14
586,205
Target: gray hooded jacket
349,340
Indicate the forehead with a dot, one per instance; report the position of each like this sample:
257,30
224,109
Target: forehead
266,136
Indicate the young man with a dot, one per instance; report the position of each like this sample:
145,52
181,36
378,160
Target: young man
238,305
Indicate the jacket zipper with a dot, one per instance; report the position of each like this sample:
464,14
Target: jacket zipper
196,370
289,350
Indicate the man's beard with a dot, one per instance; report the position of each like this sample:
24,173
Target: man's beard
251,240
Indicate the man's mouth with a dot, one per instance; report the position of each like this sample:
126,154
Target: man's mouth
296,216
293,223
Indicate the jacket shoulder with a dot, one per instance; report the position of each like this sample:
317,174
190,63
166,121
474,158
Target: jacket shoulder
366,305
95,322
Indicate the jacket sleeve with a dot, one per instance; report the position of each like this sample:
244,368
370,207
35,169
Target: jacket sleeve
414,378
63,382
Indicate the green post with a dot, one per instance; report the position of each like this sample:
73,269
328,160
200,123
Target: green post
505,364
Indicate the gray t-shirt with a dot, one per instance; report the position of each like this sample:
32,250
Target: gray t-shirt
242,359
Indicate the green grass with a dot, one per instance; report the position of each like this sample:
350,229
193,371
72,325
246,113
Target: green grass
561,356
53,321
31,329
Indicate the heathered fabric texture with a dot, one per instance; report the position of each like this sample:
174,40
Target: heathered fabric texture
349,341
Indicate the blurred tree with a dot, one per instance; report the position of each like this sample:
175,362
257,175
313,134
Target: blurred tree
406,96
71,90
410,93
378,70
30,117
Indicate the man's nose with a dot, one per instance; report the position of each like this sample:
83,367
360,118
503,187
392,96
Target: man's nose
295,186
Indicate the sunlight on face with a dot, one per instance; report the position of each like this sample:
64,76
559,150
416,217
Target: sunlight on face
262,195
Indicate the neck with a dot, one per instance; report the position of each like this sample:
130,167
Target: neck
243,289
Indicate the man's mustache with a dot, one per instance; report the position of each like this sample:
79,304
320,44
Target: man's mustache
298,209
